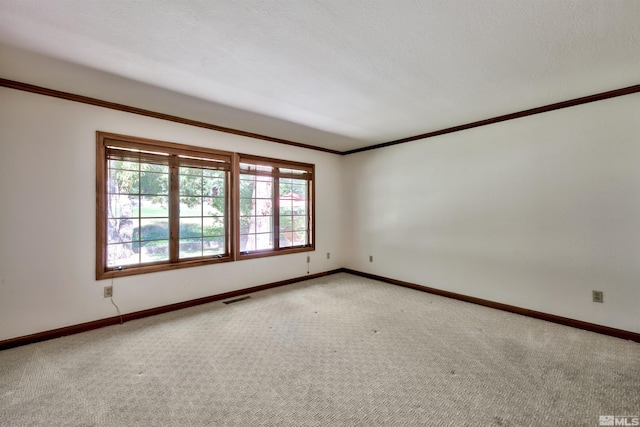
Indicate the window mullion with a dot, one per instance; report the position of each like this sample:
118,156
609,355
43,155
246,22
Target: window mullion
231,211
276,212
309,211
174,210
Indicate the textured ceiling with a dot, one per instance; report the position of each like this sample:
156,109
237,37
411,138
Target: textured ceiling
358,72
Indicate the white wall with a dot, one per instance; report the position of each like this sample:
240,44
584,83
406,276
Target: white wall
47,217
535,212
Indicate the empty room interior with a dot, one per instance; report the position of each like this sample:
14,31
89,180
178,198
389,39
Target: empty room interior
320,212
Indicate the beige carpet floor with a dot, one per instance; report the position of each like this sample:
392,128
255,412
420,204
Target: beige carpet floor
338,350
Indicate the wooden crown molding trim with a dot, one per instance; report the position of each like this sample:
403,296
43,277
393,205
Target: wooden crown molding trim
579,324
546,108
12,84
96,324
140,111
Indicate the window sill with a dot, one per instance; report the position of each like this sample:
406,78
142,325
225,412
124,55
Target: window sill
152,268
269,252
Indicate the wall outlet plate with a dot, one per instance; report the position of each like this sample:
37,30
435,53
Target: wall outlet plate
108,291
598,296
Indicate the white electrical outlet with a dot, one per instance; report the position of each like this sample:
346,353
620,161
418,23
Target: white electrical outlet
598,296
108,291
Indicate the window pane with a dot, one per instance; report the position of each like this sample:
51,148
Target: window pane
130,238
299,223
190,248
286,239
121,254
154,229
154,206
300,238
190,206
202,209
207,188
156,250
154,183
190,227
285,209
246,206
123,214
213,226
293,212
290,237
214,206
213,187
263,186
121,206
263,207
256,212
120,230
190,185
124,181
264,241
300,190
194,247
213,246
257,241
247,244
262,224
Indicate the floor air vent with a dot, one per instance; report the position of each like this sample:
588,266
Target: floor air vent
231,301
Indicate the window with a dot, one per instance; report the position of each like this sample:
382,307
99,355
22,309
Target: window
275,207
162,205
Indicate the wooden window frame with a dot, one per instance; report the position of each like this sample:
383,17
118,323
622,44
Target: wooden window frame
275,163
105,140
232,194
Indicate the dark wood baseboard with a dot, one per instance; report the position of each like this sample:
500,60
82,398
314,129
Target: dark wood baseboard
74,329
618,333
88,326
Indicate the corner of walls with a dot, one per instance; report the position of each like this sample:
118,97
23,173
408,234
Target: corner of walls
535,212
